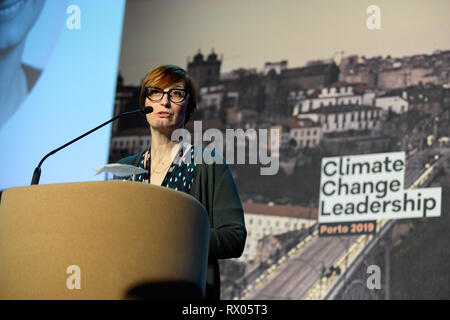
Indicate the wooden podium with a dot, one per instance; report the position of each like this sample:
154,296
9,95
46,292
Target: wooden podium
112,239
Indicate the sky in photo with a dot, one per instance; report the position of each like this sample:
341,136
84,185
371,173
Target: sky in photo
249,33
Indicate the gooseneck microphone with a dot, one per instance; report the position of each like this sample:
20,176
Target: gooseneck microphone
37,171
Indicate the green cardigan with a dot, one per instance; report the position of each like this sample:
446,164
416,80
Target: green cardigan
215,189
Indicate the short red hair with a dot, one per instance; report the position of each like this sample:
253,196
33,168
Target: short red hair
166,76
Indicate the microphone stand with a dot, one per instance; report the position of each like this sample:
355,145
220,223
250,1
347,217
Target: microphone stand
37,171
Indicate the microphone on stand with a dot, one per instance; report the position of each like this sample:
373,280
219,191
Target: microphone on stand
37,171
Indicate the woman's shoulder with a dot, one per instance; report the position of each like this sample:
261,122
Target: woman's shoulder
206,156
209,162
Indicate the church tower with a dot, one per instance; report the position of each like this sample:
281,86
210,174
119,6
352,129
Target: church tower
204,72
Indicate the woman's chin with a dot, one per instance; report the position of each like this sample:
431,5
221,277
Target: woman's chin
163,124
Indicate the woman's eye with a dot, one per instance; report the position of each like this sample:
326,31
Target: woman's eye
154,92
178,93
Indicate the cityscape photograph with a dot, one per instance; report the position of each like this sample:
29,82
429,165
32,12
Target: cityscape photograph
328,91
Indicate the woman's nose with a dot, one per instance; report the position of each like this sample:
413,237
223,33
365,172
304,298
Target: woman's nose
165,100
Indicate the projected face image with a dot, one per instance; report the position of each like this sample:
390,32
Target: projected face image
17,17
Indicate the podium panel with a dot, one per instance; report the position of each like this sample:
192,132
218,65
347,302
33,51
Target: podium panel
101,240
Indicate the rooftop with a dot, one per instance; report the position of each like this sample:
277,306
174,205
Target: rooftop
295,123
342,108
307,71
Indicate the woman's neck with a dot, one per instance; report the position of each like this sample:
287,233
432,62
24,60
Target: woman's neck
162,146
13,84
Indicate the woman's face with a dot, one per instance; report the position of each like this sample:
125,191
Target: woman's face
16,19
167,114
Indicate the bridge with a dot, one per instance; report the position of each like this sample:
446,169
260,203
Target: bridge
335,267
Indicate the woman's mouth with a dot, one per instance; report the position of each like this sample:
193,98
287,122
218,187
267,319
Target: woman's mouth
9,9
164,114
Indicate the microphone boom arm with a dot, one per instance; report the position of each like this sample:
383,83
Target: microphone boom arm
37,171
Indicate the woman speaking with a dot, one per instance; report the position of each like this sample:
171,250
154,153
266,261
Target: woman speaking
172,94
